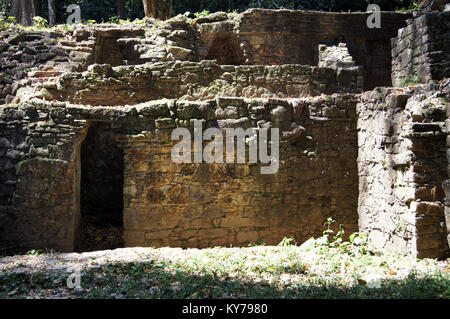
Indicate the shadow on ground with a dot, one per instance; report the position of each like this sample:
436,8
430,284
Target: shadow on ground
152,279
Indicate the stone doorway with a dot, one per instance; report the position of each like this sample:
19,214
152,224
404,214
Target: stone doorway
101,190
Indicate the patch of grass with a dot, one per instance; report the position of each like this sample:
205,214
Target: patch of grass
203,279
327,267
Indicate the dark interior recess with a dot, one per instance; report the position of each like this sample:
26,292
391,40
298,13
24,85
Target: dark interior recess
225,49
108,51
102,166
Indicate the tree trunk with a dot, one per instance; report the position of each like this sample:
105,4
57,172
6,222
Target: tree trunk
51,13
121,10
37,7
24,11
146,4
158,9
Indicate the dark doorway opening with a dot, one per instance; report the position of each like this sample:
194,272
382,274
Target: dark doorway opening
101,190
225,49
108,51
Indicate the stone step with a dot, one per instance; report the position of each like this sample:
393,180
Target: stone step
86,44
79,49
153,55
47,85
44,74
129,41
83,49
69,43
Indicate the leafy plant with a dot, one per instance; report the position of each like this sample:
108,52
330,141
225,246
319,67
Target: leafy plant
35,252
4,8
7,22
258,243
114,19
204,13
328,238
287,242
415,5
442,99
40,22
357,244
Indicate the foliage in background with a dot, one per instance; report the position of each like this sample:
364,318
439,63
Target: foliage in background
103,10
6,22
4,7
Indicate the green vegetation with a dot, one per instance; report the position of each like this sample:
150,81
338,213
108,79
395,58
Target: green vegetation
356,246
256,272
410,80
326,267
204,13
40,23
35,252
7,22
105,10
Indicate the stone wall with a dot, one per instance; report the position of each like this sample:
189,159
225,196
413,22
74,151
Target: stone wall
186,205
256,37
103,85
446,184
125,88
402,165
204,205
39,202
421,51
421,55
30,57
285,37
434,5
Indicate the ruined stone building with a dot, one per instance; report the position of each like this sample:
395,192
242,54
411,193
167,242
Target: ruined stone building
86,118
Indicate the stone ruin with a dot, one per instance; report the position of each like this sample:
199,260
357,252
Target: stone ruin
87,116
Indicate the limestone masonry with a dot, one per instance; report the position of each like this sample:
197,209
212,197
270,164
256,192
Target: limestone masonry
86,118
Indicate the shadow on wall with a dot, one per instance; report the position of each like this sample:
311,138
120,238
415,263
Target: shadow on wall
108,51
226,50
116,47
